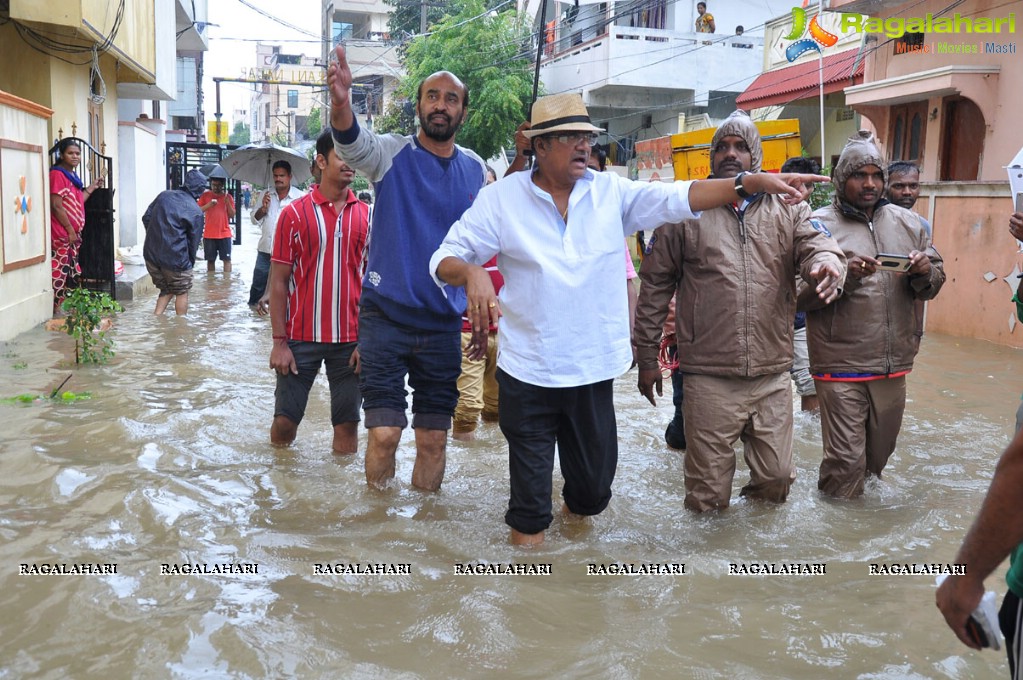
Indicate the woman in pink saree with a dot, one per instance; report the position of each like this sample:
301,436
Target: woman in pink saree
67,218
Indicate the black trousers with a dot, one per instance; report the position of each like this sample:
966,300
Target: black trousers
1009,620
581,421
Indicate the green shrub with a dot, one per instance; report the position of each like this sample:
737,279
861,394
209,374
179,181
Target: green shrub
85,310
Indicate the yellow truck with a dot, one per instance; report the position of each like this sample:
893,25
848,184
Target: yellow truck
687,155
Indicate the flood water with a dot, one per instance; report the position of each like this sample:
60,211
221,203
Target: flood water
169,462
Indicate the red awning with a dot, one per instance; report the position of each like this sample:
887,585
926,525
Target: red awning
800,81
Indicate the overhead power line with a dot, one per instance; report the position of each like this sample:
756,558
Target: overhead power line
278,20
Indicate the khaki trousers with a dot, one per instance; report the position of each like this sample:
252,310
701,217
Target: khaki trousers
477,388
720,410
860,422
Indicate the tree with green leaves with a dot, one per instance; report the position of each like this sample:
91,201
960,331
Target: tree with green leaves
281,138
406,19
314,123
489,52
359,183
241,134
399,117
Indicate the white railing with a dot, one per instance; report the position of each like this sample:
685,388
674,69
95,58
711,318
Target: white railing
648,57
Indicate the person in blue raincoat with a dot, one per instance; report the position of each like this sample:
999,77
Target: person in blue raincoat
174,224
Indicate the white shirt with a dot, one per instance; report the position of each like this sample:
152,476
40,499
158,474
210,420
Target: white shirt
565,310
269,221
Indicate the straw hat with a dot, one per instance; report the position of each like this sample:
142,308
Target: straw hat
559,113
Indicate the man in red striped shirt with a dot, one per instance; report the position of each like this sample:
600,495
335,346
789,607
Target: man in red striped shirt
315,282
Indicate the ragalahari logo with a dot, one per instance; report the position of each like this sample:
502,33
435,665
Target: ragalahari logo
818,39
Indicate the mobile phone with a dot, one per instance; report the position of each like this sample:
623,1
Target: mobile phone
893,263
982,626
976,631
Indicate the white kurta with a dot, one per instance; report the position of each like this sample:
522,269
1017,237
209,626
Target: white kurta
565,316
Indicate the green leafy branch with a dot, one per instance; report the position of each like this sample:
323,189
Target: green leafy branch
85,310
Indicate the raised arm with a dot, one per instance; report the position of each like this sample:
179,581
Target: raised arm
712,193
339,82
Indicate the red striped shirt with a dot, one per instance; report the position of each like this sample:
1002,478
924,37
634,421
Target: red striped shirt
326,250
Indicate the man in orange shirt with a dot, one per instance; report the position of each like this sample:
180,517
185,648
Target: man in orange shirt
218,208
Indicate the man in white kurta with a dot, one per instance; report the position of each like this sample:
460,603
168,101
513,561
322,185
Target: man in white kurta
557,232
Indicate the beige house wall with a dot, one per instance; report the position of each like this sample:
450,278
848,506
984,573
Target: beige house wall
72,95
992,81
969,218
92,21
133,45
62,87
25,272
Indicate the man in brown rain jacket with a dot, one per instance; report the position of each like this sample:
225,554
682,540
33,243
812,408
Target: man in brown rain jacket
734,271
863,345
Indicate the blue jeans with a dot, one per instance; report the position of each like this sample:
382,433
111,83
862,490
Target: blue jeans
259,277
389,351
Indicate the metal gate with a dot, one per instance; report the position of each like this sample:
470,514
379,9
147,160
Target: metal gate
185,156
96,252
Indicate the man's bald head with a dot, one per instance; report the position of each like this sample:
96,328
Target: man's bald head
443,75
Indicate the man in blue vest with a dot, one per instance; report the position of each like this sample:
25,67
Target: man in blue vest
408,327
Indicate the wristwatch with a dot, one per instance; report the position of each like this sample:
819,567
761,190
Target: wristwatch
738,185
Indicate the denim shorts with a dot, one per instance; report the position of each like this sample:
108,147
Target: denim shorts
389,351
292,393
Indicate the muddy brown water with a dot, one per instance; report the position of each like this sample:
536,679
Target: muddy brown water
168,462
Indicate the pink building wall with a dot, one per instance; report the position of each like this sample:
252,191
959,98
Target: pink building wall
970,219
999,95
972,234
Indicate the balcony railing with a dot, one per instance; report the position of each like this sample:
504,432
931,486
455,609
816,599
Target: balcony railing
652,58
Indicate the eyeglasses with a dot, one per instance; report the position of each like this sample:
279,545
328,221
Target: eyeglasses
573,138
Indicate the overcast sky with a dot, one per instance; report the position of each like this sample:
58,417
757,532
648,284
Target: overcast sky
233,43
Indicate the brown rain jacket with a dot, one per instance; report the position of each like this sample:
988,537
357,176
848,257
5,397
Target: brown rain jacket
735,274
873,328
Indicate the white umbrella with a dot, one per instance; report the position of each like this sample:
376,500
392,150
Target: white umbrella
253,163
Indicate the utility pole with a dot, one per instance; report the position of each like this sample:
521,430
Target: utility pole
424,5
